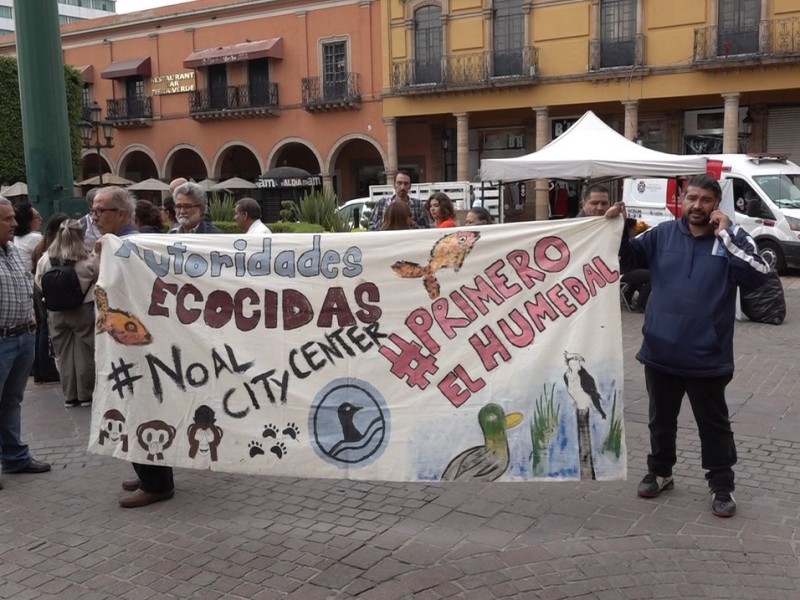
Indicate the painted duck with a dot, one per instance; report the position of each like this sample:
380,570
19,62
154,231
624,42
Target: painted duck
490,461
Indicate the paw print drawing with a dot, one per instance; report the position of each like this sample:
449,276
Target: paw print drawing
256,449
270,431
291,431
279,450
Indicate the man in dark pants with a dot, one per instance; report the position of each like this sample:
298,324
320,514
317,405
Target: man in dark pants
696,264
112,212
16,348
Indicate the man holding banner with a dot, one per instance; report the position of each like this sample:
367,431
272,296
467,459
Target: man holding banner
696,264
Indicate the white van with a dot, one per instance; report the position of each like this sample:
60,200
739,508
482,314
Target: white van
766,192
762,193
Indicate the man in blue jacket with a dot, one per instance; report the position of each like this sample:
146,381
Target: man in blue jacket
696,264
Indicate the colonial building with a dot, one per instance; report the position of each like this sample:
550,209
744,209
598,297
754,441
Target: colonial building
465,80
353,90
223,88
69,11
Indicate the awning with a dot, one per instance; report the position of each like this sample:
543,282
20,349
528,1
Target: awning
88,73
271,48
132,67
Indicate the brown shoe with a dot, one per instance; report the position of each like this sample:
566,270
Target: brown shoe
142,498
130,485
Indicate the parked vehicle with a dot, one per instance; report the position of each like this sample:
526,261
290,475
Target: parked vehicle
761,193
355,212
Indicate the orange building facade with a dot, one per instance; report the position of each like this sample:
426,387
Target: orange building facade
217,89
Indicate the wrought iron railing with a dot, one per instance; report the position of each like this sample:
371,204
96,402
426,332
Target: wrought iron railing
619,53
770,38
466,70
319,91
234,97
122,109
781,37
86,112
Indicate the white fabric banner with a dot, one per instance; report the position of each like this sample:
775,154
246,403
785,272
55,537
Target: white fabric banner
484,353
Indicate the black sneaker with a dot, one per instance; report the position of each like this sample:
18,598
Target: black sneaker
72,403
722,504
87,402
652,485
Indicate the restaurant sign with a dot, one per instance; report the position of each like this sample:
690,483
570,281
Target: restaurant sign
175,83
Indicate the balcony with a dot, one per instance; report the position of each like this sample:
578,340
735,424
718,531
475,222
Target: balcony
772,41
459,72
619,54
130,112
321,95
234,102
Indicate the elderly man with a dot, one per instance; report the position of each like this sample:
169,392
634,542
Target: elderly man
112,212
90,232
402,185
247,214
175,183
16,348
191,204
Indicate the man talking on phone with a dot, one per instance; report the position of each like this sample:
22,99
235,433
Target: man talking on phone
696,264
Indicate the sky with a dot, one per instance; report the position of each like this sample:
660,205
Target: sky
126,6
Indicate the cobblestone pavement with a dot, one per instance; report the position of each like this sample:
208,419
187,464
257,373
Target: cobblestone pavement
63,536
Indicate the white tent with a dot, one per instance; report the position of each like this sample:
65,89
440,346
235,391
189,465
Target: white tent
590,149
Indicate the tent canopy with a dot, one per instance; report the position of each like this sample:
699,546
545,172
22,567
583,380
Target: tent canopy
153,185
590,149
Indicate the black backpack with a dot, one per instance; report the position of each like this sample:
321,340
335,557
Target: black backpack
61,288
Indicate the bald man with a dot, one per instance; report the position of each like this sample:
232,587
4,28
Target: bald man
175,183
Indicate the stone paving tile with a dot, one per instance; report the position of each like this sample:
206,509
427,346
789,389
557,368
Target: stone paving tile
235,537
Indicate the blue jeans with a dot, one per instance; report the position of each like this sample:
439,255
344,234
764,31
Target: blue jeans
16,359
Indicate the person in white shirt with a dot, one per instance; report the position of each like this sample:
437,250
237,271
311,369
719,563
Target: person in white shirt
26,234
247,214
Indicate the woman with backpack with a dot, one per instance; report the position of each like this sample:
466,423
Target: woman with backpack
65,276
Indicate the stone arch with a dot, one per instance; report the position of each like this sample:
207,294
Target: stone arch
336,149
129,151
363,163
89,157
174,154
284,143
219,158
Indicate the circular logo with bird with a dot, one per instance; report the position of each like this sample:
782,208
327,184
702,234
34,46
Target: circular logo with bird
349,422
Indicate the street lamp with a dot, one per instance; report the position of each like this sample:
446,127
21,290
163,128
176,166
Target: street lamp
90,134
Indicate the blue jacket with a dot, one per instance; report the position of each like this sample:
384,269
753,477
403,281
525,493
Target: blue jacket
688,324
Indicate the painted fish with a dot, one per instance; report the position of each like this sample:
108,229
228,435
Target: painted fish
123,327
449,251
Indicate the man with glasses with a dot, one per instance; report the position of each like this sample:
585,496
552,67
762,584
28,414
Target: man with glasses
191,204
112,212
16,348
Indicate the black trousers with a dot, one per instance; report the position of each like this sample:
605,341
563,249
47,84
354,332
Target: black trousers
707,397
154,478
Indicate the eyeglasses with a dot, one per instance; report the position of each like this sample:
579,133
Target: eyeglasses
179,207
99,211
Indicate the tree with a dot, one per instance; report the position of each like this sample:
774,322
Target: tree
12,151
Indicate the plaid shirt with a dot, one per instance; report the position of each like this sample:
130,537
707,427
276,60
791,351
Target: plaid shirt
416,207
16,289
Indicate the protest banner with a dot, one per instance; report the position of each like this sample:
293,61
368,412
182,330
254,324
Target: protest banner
487,353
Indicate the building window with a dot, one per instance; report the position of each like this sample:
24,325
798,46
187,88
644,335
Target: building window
508,33
428,44
134,94
218,86
737,24
617,33
334,70
258,80
6,12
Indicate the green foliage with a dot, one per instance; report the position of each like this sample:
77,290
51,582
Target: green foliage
221,208
288,211
543,426
289,227
613,443
319,206
12,151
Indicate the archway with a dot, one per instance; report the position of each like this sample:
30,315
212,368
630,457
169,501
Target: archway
186,161
138,165
296,154
356,162
93,163
237,161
